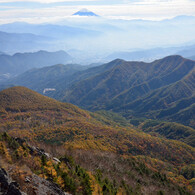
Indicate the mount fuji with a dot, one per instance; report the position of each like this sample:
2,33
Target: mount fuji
84,12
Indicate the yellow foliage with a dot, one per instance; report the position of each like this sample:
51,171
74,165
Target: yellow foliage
4,151
95,186
60,182
20,152
189,188
50,169
36,163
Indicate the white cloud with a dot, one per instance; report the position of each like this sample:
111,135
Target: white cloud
41,1
115,2
143,9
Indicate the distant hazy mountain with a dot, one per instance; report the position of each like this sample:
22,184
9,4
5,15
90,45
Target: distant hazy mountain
142,55
24,37
51,30
84,12
192,57
153,54
187,51
15,42
20,62
107,36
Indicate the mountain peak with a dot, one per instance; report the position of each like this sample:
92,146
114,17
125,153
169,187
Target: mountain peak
84,12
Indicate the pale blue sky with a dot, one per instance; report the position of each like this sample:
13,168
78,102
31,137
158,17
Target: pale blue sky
37,11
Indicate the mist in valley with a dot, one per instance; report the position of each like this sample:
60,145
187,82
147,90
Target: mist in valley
98,39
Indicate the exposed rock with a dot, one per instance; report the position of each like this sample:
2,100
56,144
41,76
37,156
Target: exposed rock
32,183
47,155
46,187
4,185
13,189
7,188
27,179
40,151
56,160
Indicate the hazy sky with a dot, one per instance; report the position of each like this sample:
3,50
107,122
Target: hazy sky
37,11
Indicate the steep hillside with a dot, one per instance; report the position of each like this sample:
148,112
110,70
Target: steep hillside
169,130
165,102
185,116
39,119
137,87
31,170
135,76
28,169
21,99
20,62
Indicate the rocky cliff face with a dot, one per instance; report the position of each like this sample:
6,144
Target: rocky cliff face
17,181
7,186
34,184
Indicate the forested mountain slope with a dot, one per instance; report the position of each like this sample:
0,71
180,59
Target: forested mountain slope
138,88
163,89
39,119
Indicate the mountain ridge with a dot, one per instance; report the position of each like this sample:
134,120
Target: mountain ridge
137,80
20,62
130,88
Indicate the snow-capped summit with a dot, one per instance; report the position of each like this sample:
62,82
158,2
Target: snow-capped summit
84,12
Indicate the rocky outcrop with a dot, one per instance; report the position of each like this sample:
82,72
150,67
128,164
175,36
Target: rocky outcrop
31,184
43,186
7,187
35,185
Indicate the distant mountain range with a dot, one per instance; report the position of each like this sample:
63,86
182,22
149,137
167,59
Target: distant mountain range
73,33
188,51
149,55
21,62
192,57
24,37
163,89
13,42
54,31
